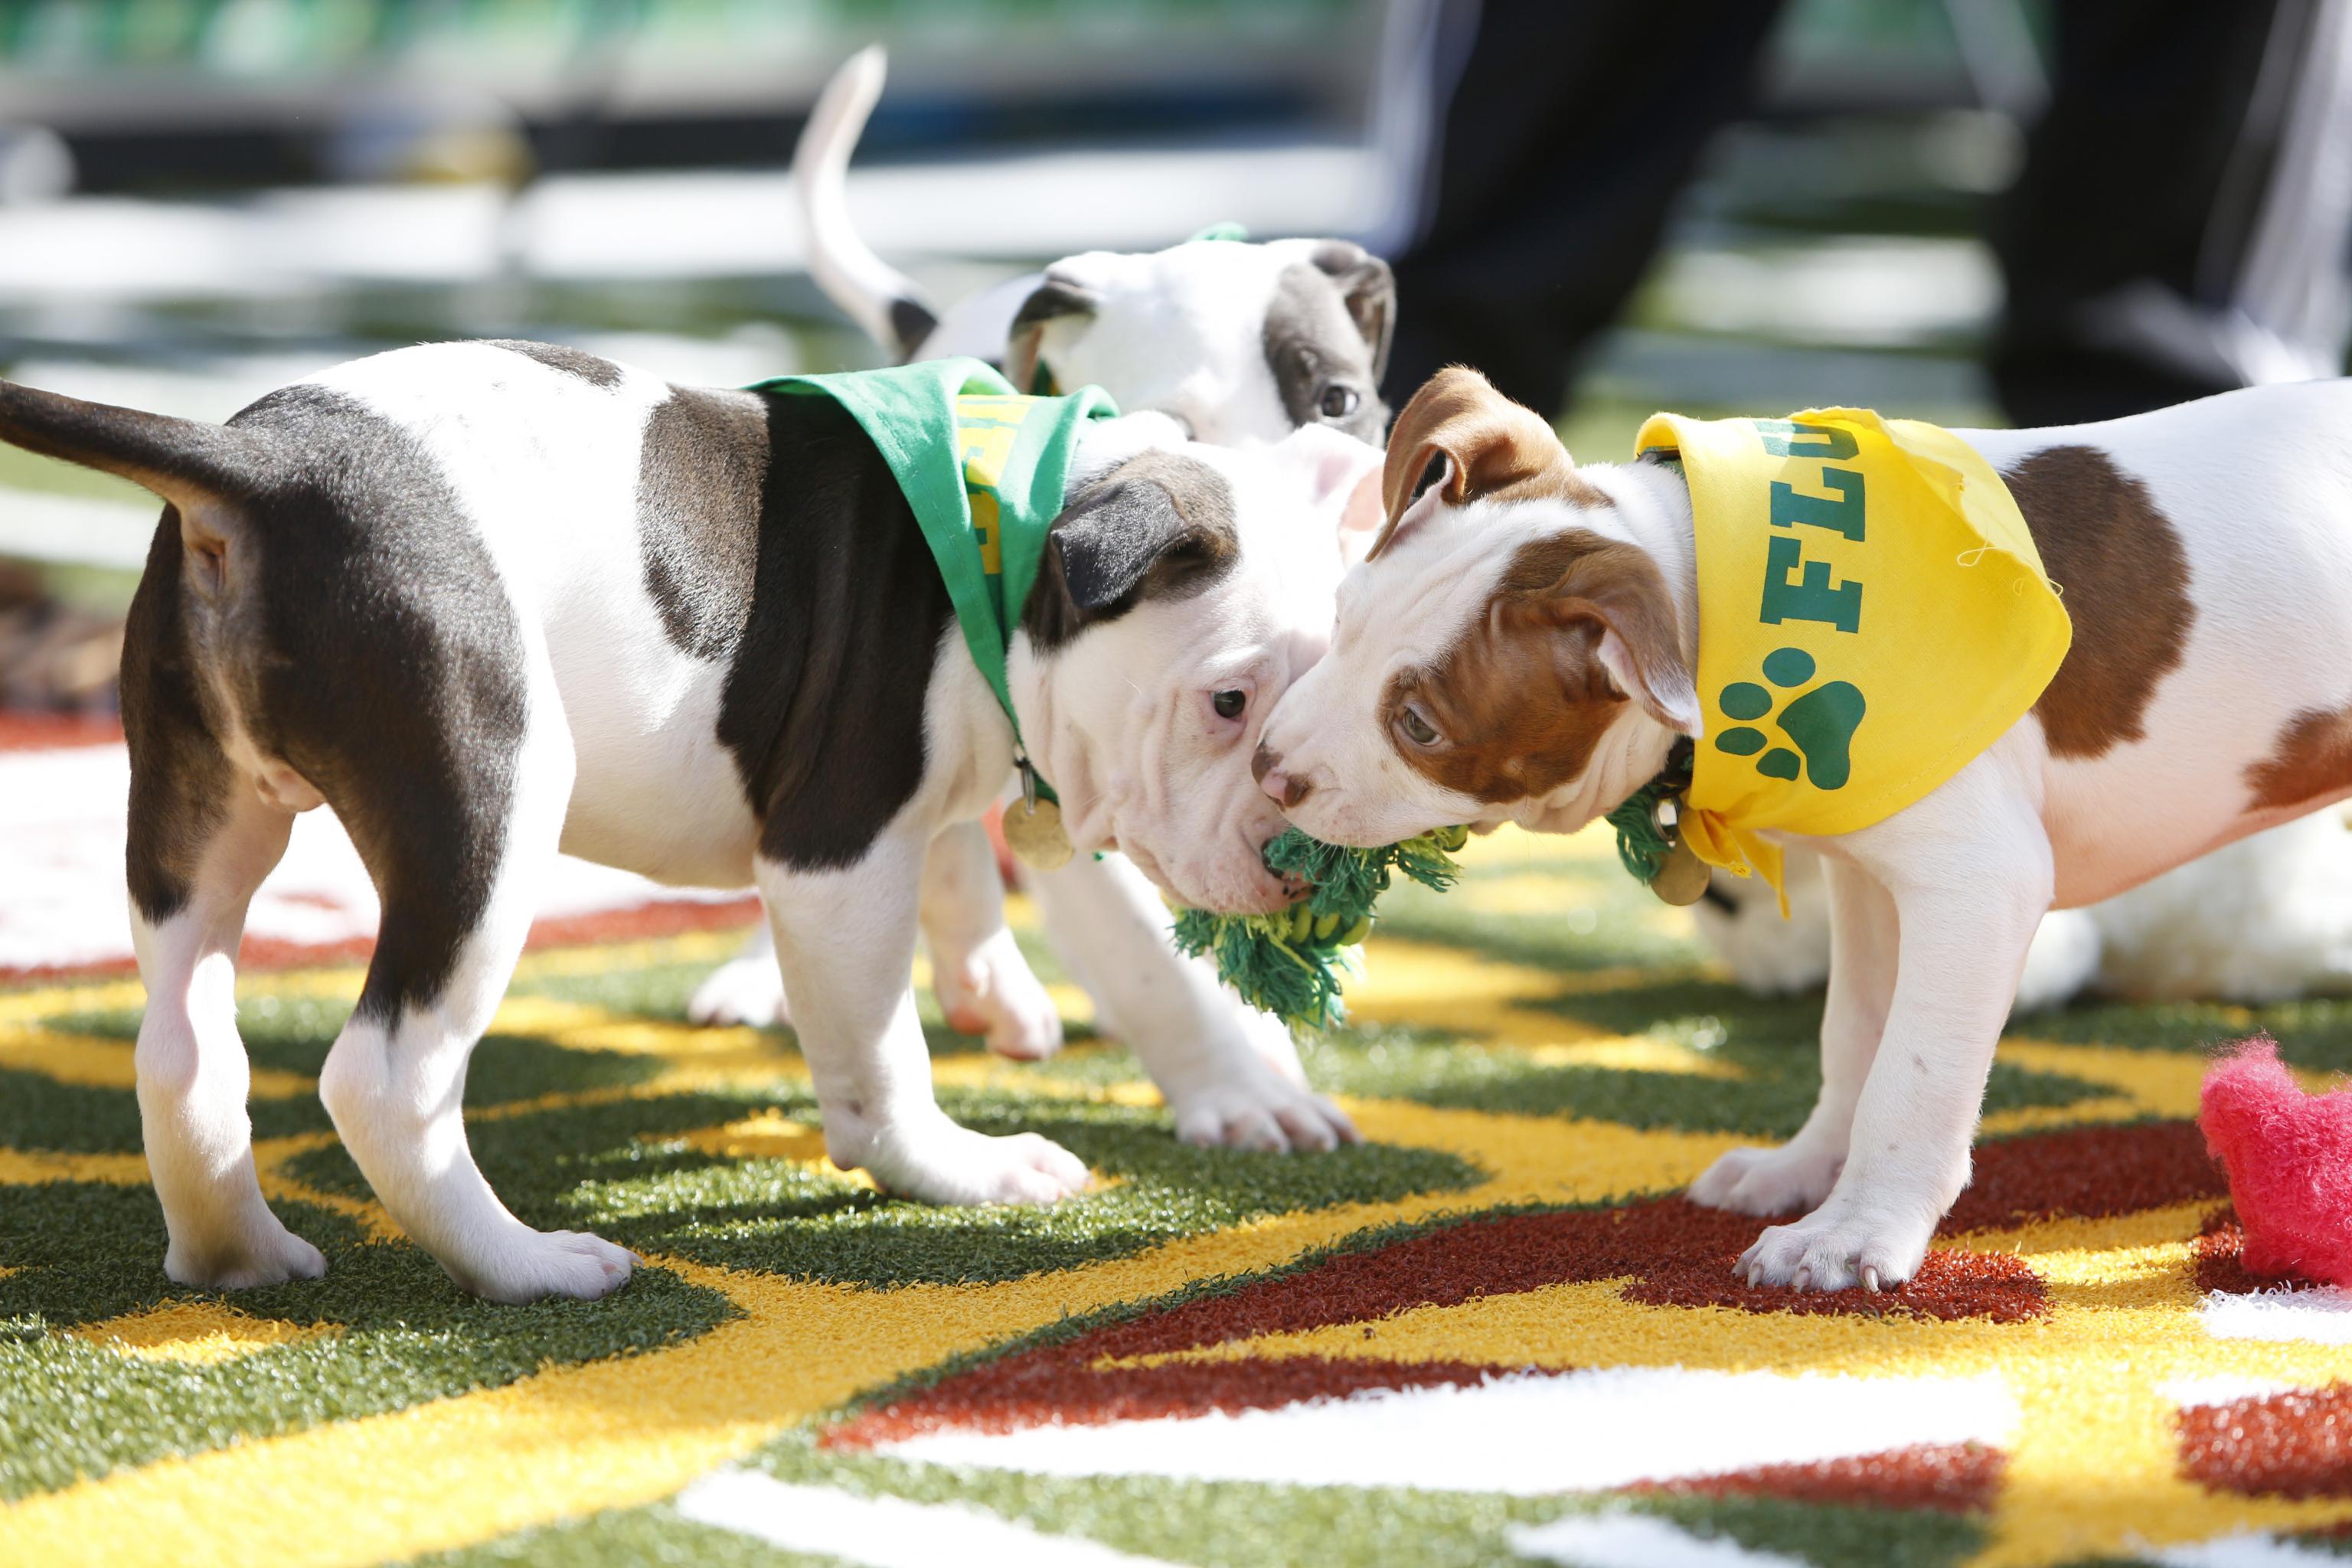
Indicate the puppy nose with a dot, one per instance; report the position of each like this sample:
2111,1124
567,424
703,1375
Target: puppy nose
1285,790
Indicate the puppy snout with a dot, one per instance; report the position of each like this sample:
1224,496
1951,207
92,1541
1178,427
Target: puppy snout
1284,789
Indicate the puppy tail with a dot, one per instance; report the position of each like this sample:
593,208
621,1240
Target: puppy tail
869,290
202,471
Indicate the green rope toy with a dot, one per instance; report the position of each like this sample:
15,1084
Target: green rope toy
1641,841
1289,964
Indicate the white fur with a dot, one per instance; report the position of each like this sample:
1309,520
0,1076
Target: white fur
2258,487
619,763
1182,331
2268,918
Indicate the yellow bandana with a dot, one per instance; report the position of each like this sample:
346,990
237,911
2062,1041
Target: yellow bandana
1872,614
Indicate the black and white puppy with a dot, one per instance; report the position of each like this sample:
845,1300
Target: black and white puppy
1244,343
492,601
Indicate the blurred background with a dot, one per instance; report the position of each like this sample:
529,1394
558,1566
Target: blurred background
202,199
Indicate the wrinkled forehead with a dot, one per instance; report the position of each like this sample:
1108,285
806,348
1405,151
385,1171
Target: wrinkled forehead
1433,581
1288,538
1223,294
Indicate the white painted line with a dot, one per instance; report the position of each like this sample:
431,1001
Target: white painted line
63,817
1636,1541
1524,1435
2243,1550
884,1532
2321,1317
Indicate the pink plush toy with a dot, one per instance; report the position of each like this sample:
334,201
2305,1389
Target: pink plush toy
2289,1155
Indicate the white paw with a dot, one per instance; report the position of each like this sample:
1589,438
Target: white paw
994,994
269,1255
950,1164
1271,1039
1830,1250
1788,1180
527,1265
747,990
1257,1108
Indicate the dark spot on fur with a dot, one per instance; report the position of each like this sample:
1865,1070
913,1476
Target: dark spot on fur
911,321
180,776
2313,759
823,707
1314,347
1520,699
367,641
1368,288
595,371
2119,564
1158,526
700,476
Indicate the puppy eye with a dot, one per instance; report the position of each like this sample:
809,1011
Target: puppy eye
1229,704
1417,726
1339,402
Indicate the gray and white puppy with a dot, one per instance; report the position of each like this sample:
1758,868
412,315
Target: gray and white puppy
492,601
1243,342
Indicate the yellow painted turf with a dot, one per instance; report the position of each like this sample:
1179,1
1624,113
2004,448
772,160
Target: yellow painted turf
2092,1471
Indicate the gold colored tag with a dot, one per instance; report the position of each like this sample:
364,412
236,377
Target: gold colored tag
1682,878
1033,830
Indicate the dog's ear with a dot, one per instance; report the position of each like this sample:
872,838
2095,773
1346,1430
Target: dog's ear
1369,290
1057,298
1490,445
1161,525
1607,603
1344,478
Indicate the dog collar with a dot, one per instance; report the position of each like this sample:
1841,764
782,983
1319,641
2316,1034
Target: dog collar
983,469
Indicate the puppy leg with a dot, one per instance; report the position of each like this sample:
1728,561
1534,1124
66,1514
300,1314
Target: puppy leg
1230,1073
396,1081
1797,1174
746,989
846,940
192,1069
1967,895
984,985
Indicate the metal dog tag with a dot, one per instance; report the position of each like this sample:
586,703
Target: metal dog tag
1033,830
1682,878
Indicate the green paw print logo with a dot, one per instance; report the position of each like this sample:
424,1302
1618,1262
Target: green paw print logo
1820,724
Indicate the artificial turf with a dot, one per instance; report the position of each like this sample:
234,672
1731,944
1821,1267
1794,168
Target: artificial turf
1543,1041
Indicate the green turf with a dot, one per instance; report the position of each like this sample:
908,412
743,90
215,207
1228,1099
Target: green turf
85,1253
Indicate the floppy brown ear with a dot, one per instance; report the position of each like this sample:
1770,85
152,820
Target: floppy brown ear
1491,445
1615,601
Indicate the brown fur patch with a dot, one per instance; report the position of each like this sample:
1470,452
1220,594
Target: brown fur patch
1498,451
2313,758
1521,700
2119,564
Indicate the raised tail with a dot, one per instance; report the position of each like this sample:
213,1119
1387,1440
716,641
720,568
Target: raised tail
193,465
869,290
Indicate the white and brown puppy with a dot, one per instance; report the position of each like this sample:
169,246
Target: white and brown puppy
492,601
1520,646
1243,342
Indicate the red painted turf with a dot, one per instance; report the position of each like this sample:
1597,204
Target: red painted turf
1670,1252
1951,1478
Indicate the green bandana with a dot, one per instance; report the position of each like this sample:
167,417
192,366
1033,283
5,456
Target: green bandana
983,469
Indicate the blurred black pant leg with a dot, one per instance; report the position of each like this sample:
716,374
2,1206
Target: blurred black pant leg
2181,224
1549,174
